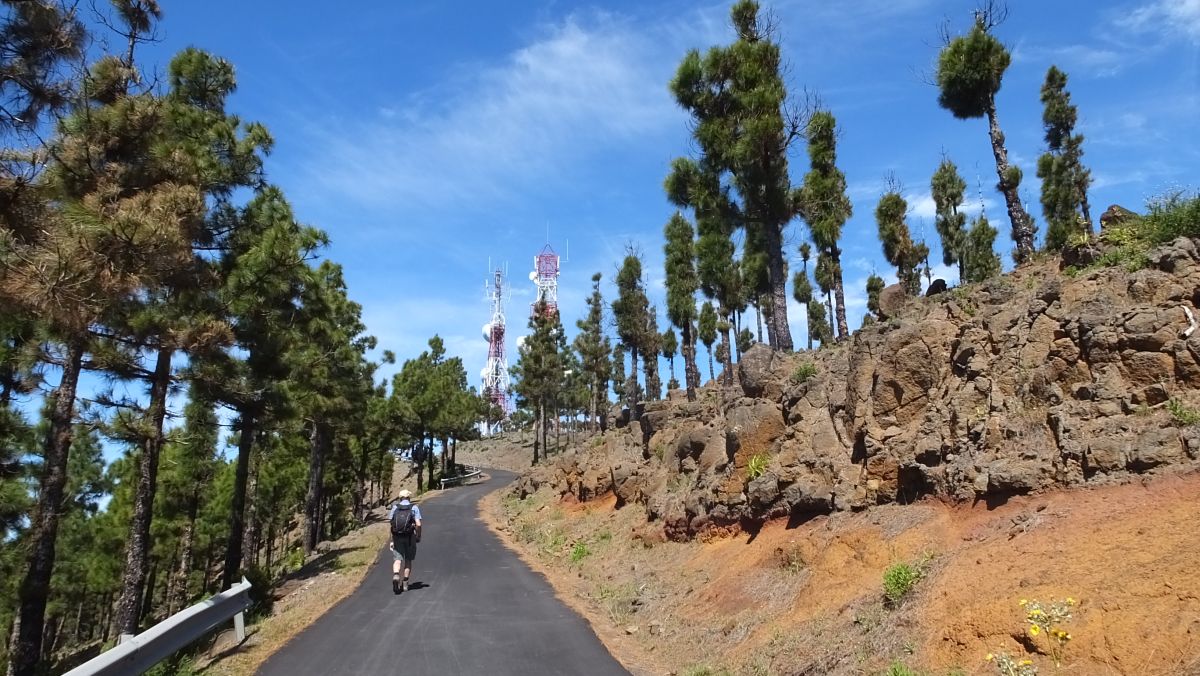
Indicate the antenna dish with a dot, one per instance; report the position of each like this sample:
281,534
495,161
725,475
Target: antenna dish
487,331
533,276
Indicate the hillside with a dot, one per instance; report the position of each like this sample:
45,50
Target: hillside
1032,437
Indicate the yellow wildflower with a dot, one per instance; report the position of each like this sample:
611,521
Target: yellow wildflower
1034,630
989,657
1036,611
1025,663
1022,602
1070,601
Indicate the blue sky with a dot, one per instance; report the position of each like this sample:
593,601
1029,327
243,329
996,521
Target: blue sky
429,137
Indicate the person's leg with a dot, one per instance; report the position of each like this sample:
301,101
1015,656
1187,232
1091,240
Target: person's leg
396,563
410,553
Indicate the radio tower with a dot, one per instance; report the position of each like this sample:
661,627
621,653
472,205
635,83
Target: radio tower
545,276
495,374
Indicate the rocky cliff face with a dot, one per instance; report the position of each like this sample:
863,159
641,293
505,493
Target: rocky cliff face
1027,382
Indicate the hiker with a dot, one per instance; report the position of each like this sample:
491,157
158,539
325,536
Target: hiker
405,520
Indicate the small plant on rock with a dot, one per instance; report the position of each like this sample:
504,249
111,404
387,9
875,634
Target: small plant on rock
757,465
898,668
1007,665
579,552
803,372
1182,413
898,581
1048,620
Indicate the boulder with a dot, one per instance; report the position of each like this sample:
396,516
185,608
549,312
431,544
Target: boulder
891,300
1116,216
935,287
756,372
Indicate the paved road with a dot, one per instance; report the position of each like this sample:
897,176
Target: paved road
472,608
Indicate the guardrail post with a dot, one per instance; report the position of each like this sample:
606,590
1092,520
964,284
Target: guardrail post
239,626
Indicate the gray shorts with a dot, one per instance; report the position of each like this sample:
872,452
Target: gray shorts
404,548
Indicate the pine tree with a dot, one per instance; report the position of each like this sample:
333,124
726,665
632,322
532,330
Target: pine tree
617,375
898,247
982,261
874,288
539,371
651,349
948,188
264,270
707,332
823,203
969,72
682,283
670,346
630,311
595,352
38,39
1065,180
818,322
802,289
690,185
736,96
826,274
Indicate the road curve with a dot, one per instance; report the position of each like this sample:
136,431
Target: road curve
473,607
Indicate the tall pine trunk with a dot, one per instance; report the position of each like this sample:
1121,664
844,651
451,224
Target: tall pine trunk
1022,225
237,510
712,375
631,395
727,367
25,646
691,375
537,431
839,295
319,441
431,460
186,543
778,331
137,549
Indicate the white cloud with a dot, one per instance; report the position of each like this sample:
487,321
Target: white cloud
586,83
1095,61
1166,17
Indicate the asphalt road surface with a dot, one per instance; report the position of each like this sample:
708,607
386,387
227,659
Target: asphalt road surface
472,607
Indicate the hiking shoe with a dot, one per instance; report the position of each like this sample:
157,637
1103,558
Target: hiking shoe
404,585
395,584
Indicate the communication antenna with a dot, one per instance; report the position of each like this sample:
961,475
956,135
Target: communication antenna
495,374
545,276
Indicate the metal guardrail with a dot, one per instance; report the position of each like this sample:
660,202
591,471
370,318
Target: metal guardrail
471,474
136,654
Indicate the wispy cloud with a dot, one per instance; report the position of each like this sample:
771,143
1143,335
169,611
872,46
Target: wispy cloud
1095,61
1168,18
587,82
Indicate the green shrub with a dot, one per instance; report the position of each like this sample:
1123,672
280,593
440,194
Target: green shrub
1175,214
757,465
898,581
579,552
803,372
261,598
1183,414
898,668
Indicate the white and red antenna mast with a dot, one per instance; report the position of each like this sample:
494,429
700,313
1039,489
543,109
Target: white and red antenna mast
495,374
545,276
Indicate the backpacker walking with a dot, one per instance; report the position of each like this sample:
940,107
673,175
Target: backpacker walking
405,519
